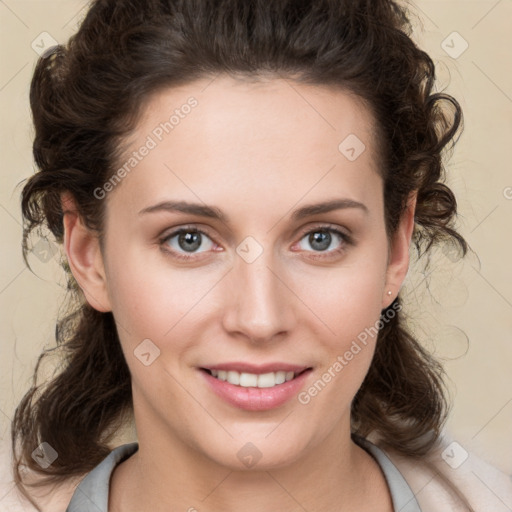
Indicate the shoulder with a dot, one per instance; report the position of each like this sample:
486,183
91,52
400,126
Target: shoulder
450,475
49,499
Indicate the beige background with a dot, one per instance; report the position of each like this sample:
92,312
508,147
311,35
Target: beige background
462,311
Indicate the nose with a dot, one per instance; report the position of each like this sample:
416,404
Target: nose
259,305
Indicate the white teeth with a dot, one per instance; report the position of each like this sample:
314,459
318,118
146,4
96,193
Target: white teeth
266,380
248,380
252,380
280,377
233,378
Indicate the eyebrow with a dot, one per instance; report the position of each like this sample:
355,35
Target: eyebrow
215,213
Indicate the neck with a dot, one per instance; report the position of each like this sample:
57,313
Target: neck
167,474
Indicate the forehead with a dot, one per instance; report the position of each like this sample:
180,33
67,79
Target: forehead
222,132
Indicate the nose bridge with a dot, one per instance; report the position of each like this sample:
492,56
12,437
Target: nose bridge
259,305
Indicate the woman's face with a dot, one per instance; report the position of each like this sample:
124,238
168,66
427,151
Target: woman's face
266,278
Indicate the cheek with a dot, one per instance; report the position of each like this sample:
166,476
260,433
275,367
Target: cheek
351,307
348,302
347,299
155,301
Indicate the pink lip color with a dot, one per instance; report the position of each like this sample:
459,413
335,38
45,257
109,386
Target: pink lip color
256,399
258,368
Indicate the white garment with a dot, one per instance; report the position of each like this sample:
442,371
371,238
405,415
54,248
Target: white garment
484,487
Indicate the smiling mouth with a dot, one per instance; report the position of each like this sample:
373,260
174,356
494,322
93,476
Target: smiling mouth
253,380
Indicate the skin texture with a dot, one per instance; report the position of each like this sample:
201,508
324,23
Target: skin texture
256,151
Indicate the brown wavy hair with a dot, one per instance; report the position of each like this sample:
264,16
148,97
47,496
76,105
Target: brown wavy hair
86,98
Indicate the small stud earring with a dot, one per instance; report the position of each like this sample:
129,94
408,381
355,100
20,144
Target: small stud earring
389,292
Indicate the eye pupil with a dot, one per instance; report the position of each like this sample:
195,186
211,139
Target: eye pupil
321,237
189,238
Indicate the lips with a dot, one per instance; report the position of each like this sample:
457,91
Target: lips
255,387
257,369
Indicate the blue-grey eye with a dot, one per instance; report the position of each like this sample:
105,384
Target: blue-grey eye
189,241
321,239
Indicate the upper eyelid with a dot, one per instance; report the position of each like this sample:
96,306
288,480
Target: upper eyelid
176,231
326,226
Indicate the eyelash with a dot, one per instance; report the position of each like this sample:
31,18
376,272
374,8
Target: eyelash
346,240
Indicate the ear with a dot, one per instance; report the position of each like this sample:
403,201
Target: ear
84,256
398,256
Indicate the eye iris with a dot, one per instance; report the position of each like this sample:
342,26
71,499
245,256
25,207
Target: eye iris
189,238
321,237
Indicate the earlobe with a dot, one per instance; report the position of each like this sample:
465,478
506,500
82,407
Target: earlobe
398,263
84,256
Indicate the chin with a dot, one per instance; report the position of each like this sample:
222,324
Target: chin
258,454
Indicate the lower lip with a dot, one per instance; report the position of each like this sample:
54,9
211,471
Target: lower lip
256,399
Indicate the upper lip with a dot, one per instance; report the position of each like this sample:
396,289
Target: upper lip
257,369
